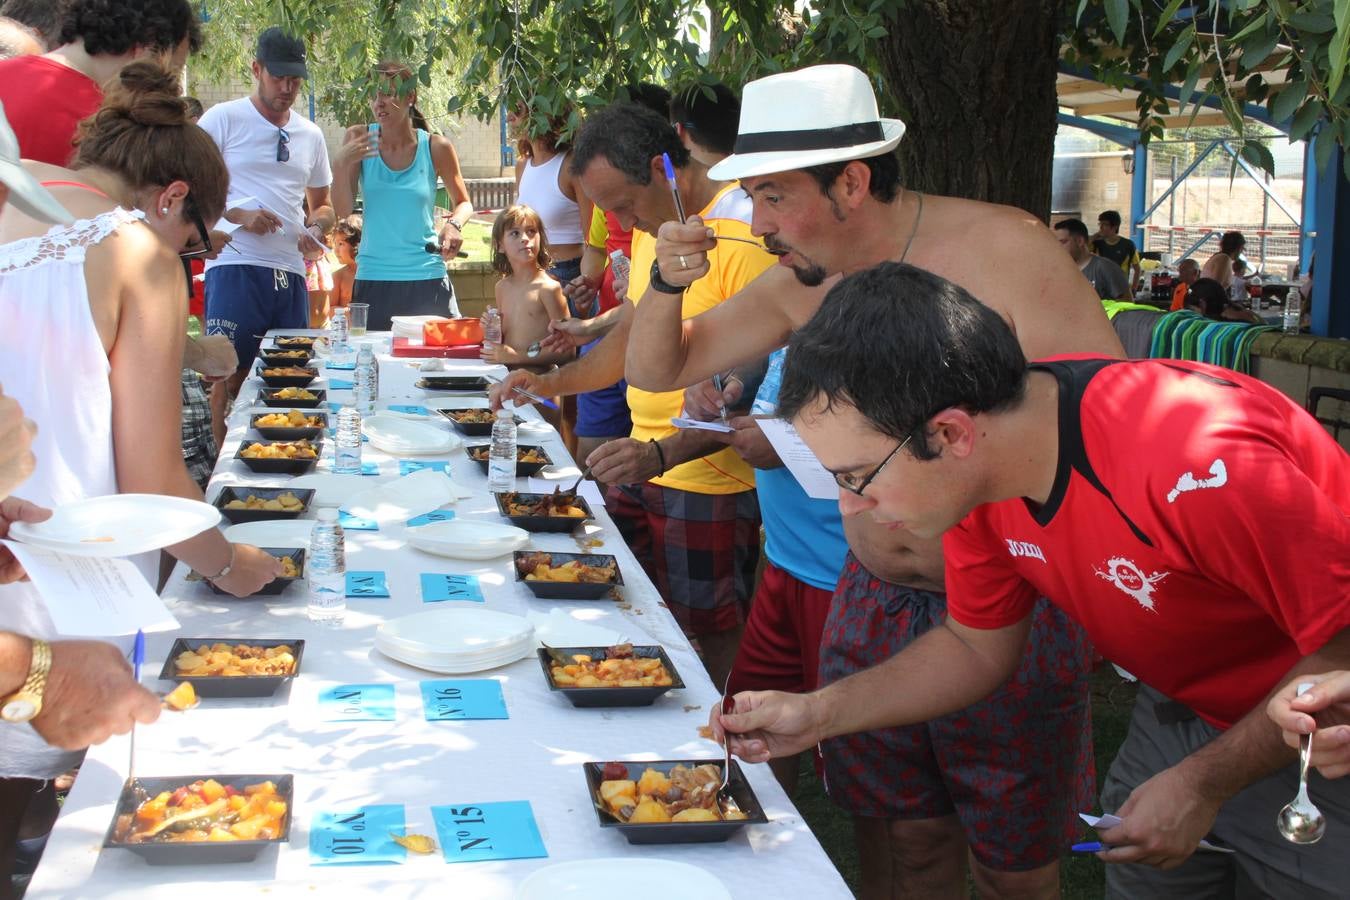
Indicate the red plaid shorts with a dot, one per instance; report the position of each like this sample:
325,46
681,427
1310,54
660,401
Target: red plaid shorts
1016,768
700,550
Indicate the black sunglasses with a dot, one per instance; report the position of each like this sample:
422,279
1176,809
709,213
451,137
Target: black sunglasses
283,152
194,216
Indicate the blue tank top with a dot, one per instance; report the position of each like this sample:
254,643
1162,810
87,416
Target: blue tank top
398,219
802,536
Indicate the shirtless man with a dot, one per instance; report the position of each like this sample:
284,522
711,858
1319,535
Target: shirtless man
820,169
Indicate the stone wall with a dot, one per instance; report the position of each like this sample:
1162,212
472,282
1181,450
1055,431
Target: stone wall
1296,363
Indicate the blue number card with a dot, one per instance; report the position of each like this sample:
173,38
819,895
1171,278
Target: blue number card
357,837
411,410
437,588
367,585
356,523
340,384
470,833
463,698
357,703
409,466
436,515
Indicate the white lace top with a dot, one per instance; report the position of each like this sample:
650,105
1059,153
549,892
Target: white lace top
52,361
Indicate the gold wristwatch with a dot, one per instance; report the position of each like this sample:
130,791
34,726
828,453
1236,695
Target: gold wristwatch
24,704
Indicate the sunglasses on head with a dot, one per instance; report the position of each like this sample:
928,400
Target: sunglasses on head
195,217
283,152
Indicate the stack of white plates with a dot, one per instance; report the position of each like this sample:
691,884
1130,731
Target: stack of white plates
394,434
456,641
464,539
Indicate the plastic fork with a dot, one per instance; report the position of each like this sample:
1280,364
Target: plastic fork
728,707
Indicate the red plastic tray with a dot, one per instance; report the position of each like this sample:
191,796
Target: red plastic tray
405,347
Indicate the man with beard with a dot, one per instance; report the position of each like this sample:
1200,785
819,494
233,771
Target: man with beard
1006,776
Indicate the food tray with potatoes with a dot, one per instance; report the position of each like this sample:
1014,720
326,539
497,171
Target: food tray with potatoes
672,801
292,568
250,504
622,675
567,576
223,667
530,458
287,376
190,820
292,396
279,457
473,421
544,512
292,425
285,356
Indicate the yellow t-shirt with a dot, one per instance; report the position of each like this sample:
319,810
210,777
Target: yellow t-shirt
734,265
599,232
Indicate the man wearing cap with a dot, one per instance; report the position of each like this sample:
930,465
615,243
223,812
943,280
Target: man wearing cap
278,161
86,687
47,96
820,167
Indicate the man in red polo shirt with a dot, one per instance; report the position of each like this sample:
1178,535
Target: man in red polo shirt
47,96
1195,521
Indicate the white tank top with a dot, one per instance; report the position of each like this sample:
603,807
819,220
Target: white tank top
52,361
539,189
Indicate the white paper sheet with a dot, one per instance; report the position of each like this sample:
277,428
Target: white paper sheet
814,478
1110,821
291,228
699,425
93,597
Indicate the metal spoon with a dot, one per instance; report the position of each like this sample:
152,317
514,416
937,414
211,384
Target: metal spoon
1300,821
569,496
728,707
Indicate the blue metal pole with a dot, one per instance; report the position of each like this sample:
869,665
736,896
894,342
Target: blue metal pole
1331,278
1308,224
1138,194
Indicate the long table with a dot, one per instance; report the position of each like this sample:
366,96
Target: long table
533,755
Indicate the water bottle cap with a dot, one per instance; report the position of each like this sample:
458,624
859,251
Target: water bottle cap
327,514
507,411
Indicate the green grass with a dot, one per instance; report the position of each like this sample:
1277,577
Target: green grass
1082,876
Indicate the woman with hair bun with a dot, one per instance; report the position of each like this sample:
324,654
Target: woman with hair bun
92,341
395,162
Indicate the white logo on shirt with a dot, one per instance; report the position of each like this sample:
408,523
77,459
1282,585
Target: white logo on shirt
1188,482
1126,575
1022,548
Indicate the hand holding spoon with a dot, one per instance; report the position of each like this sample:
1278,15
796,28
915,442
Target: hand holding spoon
1300,821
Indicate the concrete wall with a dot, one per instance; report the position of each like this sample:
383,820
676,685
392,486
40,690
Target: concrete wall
1294,364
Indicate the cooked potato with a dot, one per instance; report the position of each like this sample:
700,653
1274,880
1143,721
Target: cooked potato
695,814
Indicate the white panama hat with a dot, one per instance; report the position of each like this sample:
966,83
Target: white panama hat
24,191
816,115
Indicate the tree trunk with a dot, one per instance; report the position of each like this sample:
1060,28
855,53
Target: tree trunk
975,84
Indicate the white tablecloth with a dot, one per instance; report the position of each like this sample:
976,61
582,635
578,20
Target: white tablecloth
534,755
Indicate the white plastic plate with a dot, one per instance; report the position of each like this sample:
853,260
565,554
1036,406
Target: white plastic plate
464,539
395,434
119,525
279,533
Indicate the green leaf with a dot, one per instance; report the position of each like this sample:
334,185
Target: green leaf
1322,150
1283,104
1253,25
1188,86
1168,13
1340,44
1258,154
1117,12
1082,5
1315,22
1179,49
1255,51
1305,119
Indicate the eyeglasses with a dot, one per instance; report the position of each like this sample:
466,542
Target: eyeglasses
850,482
283,152
190,207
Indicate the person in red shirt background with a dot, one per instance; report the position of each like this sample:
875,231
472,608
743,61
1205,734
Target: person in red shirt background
46,96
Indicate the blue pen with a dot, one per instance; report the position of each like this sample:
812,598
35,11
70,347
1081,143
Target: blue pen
674,188
1089,847
137,657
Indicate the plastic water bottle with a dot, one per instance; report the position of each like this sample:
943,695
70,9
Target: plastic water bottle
1293,311
620,264
502,456
347,443
492,326
338,332
366,380
326,570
